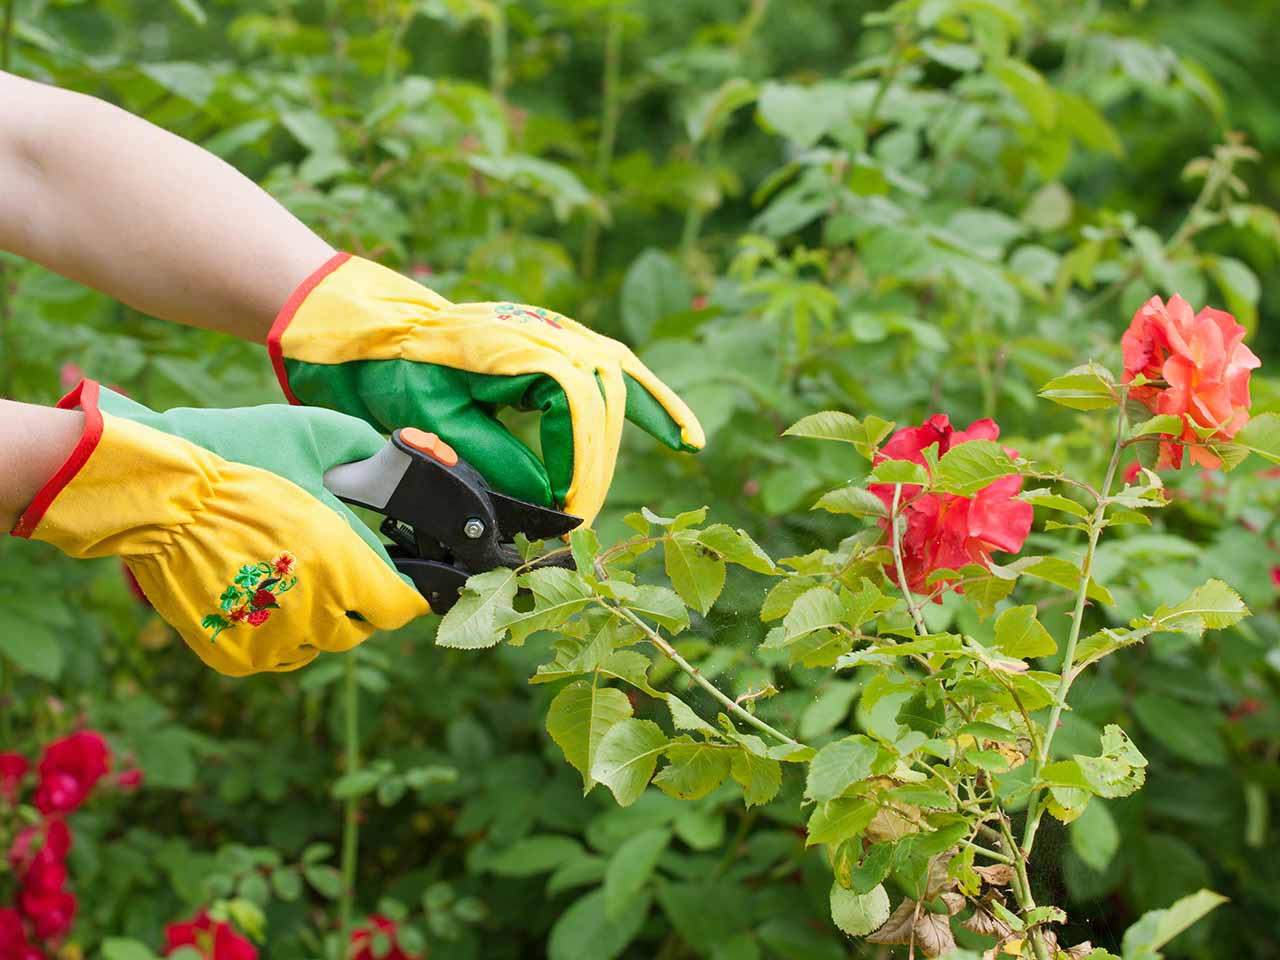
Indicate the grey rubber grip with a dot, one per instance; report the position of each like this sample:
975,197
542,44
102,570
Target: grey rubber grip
369,482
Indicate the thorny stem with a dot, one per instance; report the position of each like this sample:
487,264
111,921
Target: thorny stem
1022,887
1036,808
695,674
895,536
351,812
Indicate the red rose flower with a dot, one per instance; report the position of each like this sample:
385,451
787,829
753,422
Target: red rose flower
69,769
1204,361
46,874
263,598
13,767
129,780
258,617
362,940
12,936
215,940
50,914
52,835
1275,576
946,531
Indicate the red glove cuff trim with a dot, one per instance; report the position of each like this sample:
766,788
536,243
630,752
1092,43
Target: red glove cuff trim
85,396
285,316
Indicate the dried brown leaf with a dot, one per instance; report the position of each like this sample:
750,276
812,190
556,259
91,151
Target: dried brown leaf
1078,952
997,874
987,923
897,929
955,902
933,934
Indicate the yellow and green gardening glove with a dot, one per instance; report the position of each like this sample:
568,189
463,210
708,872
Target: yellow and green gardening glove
223,517
360,338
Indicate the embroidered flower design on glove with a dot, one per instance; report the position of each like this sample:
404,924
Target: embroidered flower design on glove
253,594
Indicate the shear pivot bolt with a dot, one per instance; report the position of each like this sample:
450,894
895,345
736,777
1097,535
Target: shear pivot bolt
474,528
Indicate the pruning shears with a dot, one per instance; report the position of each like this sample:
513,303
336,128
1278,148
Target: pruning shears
444,521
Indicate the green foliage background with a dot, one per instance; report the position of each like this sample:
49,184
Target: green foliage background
785,207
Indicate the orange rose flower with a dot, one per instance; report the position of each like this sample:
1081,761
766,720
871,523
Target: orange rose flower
1205,364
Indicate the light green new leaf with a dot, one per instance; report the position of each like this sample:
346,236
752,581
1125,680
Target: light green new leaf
473,622
578,719
735,546
838,766
693,769
782,596
1164,423
697,574
968,467
760,777
854,501
625,759
1143,940
1053,501
846,428
683,717
1019,634
859,915
118,948
630,666
630,868
1121,769
659,604
899,471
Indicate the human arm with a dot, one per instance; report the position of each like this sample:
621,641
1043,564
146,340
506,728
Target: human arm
34,442
116,203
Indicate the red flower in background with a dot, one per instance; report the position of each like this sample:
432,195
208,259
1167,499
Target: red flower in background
13,767
1203,359
362,940
945,531
69,769
214,939
51,914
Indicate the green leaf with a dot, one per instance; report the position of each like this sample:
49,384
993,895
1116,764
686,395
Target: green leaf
530,856
1163,423
843,427
735,546
803,114
1239,286
1087,124
1186,731
899,471
817,609
474,621
659,604
683,717
191,81
759,777
854,501
286,884
1211,606
312,130
1064,574
357,783
1019,634
626,757
324,879
579,717
1095,837
630,666
1119,771
782,597
192,11
835,821
859,915
118,948
969,467
1262,436
1053,501
31,646
585,930
697,575
557,595
584,545
693,769
1031,90
1159,927
630,868
1084,388
655,287
838,766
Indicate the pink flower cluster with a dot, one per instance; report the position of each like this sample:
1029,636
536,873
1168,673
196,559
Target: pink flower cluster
68,771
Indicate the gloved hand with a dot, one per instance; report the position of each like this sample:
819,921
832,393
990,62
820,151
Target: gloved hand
223,518
362,339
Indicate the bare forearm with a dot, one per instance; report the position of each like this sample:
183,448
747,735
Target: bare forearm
34,443
122,206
